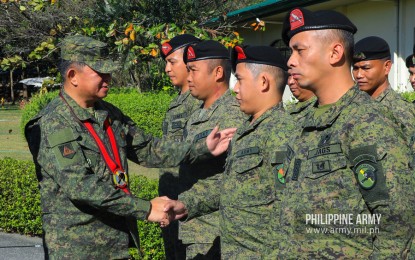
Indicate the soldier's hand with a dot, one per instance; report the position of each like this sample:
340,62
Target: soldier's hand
157,213
176,209
218,142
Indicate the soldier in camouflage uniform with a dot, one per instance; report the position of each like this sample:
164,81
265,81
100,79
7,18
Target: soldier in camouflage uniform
209,72
372,63
410,64
346,157
179,111
247,194
306,99
80,145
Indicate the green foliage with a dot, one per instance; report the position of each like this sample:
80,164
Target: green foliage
20,205
410,96
20,200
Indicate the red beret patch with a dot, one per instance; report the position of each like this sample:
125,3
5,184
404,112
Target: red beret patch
190,53
165,48
296,19
241,54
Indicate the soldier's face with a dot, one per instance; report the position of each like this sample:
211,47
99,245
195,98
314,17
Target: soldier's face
176,68
308,62
297,91
371,74
245,89
412,76
201,79
90,84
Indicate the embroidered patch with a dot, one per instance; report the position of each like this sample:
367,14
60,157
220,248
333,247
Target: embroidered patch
296,170
329,149
67,150
122,134
202,135
296,19
321,166
176,125
366,175
241,54
280,173
190,53
324,140
165,48
247,151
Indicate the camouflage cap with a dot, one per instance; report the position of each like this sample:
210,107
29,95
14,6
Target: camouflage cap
93,53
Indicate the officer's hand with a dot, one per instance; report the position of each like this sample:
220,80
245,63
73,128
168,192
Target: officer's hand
218,142
176,209
157,213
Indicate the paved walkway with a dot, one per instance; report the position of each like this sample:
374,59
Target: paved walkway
18,247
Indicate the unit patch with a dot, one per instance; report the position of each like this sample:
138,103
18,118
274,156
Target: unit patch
366,175
67,150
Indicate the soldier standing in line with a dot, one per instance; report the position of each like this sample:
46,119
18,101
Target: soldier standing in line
209,72
410,64
305,97
371,66
179,111
346,159
80,145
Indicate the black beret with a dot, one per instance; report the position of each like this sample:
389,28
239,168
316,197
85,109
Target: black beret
177,42
266,55
410,60
205,50
371,48
301,19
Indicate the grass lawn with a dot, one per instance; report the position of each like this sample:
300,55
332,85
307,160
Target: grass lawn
13,144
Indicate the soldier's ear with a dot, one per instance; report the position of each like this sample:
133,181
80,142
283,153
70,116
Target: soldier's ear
336,53
219,73
387,65
264,81
71,76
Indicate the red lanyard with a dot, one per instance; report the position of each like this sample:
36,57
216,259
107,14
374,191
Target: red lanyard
120,177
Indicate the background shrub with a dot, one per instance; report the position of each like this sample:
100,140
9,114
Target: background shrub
410,96
146,109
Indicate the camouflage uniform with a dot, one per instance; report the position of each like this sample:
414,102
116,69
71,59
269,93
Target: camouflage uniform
84,216
247,192
179,111
300,109
402,110
199,233
347,160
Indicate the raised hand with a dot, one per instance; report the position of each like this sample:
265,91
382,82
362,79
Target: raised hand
218,142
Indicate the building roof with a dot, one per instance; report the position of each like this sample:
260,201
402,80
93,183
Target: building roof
263,9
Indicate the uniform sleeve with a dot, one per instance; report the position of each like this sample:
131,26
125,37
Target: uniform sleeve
155,152
203,197
60,159
380,161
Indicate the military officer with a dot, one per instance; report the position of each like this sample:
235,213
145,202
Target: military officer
247,194
305,97
371,65
410,64
179,111
346,160
80,145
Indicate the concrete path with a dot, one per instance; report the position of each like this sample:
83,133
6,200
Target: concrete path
18,247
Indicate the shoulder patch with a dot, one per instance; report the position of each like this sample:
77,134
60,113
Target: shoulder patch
366,175
67,150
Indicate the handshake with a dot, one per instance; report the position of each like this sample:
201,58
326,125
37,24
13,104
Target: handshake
164,210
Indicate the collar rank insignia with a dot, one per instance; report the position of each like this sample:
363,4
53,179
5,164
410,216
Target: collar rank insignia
67,150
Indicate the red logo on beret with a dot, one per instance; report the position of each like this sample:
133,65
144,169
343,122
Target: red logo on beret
165,48
296,19
241,54
190,53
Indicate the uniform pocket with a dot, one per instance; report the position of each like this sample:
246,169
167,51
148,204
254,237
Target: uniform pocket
64,145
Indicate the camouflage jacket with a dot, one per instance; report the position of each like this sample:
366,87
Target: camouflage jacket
348,162
179,111
224,112
247,192
84,216
300,109
402,110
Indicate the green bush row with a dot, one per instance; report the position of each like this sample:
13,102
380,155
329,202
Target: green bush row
20,205
146,109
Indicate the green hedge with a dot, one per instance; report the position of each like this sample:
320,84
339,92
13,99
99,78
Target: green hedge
146,109
20,205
